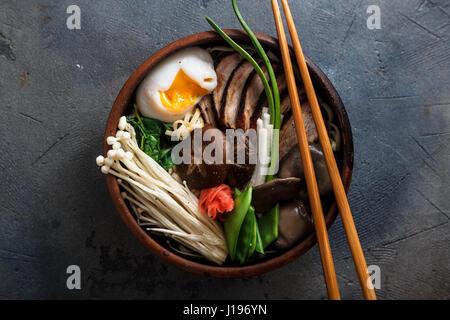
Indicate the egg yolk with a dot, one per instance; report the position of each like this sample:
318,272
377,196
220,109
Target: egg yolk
182,93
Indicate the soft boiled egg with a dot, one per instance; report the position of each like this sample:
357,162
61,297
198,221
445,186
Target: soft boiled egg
176,85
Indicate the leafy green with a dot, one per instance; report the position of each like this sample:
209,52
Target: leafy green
151,138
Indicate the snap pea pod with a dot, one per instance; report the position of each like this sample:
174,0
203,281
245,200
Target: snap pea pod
246,243
254,238
259,245
268,226
233,224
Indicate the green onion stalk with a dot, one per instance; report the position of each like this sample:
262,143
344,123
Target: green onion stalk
275,112
273,96
248,57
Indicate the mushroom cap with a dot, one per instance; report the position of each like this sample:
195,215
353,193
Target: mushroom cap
204,175
294,224
291,166
268,194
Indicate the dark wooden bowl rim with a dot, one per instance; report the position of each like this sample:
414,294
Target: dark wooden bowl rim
125,97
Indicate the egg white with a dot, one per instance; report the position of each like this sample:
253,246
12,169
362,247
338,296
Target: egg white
195,62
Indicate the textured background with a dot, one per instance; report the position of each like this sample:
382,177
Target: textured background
57,87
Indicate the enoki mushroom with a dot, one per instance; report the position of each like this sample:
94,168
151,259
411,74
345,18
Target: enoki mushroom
183,128
161,204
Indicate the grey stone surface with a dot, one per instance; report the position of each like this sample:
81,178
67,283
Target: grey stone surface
57,87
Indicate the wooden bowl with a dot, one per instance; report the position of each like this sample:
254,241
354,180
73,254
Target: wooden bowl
123,105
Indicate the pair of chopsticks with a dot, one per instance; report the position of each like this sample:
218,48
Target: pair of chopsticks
311,182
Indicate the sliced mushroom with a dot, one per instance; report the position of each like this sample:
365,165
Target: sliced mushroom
310,126
288,135
266,195
232,99
293,225
207,109
262,103
285,104
251,97
224,69
291,166
243,163
204,175
250,100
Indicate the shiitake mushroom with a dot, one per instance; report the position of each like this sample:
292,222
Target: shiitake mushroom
210,174
205,175
291,166
241,169
293,225
268,194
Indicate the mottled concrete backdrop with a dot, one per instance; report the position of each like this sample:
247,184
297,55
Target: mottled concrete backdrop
57,87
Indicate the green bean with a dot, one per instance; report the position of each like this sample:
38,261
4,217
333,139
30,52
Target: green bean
233,224
268,226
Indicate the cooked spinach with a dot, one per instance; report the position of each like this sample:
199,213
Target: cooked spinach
151,138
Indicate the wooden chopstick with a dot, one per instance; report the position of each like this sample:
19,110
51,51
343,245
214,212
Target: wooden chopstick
339,192
311,182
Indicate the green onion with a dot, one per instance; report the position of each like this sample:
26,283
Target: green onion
276,119
275,109
273,96
248,57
